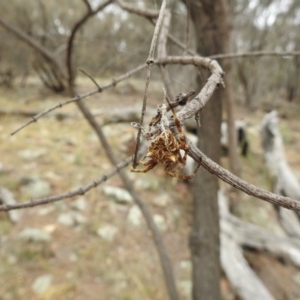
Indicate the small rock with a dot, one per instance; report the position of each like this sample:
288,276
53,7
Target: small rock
162,200
134,216
160,222
121,285
79,218
6,197
186,265
8,296
35,187
61,206
46,210
52,176
79,204
186,287
147,184
70,275
29,154
109,131
11,259
73,257
173,215
35,235
71,219
107,232
50,228
93,138
41,284
71,158
66,219
120,195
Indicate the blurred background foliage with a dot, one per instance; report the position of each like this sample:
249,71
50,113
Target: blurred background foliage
116,41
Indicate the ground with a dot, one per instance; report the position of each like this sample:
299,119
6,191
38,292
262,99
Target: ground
65,153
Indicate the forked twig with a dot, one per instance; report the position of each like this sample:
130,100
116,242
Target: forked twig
92,79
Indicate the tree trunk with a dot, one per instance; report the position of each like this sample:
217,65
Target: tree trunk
211,24
204,239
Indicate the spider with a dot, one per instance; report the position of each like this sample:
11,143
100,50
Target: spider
165,148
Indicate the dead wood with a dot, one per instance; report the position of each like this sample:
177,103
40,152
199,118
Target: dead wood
285,181
244,280
278,277
289,221
274,258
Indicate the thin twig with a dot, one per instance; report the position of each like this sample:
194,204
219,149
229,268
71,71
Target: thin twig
27,39
239,183
113,83
70,44
187,29
80,191
88,5
149,62
92,79
255,54
162,52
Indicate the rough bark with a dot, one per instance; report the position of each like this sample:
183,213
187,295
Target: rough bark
210,20
204,238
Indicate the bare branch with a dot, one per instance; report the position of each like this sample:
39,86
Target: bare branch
32,113
181,45
90,77
239,183
90,12
113,83
88,5
149,62
33,44
162,51
178,43
80,191
196,105
169,60
234,55
213,82
255,54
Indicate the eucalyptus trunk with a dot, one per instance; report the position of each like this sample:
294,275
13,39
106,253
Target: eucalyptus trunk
210,19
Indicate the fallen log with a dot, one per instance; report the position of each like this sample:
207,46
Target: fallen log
238,235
